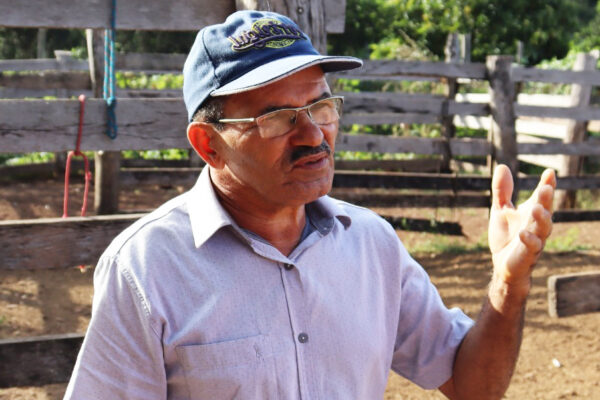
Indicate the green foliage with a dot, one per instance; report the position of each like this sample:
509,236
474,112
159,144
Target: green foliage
27,158
165,154
567,242
589,37
544,26
154,42
131,80
22,43
446,244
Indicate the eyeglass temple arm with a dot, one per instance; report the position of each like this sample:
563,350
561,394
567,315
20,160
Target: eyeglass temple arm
228,120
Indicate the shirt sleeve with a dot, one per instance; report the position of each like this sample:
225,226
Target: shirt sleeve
428,333
121,355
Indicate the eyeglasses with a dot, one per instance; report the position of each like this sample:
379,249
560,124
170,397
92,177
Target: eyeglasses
279,122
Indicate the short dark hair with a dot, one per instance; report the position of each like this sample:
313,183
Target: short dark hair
211,111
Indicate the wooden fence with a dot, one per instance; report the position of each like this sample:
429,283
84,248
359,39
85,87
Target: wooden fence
151,120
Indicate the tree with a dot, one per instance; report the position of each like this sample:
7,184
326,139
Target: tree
544,26
589,37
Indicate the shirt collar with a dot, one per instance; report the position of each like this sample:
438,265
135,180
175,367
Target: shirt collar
207,215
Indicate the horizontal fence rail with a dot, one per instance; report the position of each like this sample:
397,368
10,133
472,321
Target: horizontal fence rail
388,68
38,360
136,62
174,15
58,242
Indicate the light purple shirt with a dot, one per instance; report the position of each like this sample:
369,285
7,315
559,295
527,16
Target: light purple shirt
189,306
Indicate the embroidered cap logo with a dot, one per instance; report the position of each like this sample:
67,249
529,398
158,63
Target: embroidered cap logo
266,32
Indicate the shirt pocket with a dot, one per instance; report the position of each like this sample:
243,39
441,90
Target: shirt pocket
235,369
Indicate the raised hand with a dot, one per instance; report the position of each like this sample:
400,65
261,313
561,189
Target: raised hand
517,235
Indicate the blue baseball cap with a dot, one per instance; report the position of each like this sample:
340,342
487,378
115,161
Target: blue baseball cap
249,50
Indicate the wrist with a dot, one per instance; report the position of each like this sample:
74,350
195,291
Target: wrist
507,295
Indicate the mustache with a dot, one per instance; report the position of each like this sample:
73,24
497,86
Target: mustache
303,151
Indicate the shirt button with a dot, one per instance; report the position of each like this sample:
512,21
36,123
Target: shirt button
303,337
288,266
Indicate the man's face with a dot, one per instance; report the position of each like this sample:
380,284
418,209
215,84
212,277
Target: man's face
289,170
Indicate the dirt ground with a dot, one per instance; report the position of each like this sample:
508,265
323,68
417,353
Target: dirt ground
560,358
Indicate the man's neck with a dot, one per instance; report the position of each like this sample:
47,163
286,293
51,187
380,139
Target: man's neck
281,226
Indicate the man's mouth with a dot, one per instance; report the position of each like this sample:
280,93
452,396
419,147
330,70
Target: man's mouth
313,161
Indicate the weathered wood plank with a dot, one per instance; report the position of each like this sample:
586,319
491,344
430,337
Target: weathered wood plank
413,200
393,180
383,102
154,62
587,148
46,64
502,131
39,360
416,165
175,15
564,182
406,180
47,80
58,242
143,124
425,225
575,113
389,118
19,93
576,215
576,131
392,144
522,74
139,62
416,68
335,15
26,172
573,294
162,176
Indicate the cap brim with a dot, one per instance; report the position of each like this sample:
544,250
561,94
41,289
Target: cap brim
279,69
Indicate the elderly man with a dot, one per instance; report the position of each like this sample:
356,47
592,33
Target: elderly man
256,285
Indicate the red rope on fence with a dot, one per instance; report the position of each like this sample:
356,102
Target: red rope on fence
87,173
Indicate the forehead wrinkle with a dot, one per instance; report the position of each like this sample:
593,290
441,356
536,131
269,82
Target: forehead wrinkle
271,108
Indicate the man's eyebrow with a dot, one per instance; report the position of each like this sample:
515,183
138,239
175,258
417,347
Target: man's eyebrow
268,109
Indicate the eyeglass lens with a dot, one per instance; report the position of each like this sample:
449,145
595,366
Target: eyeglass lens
279,122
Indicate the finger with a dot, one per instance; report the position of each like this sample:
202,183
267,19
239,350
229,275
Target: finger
541,222
502,187
545,196
548,178
532,243
545,189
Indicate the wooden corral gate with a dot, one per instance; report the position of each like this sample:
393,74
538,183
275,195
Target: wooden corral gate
159,123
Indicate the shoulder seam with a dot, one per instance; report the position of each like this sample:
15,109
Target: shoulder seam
133,287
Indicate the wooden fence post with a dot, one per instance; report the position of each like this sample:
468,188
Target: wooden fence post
308,14
107,163
502,128
452,52
569,165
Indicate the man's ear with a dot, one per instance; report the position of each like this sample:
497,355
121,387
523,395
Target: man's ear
201,136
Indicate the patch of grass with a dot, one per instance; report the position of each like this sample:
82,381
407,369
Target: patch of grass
567,242
588,199
444,244
28,158
2,319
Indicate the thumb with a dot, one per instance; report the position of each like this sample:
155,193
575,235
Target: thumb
502,187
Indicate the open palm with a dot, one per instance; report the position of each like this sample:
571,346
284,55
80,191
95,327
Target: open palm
517,235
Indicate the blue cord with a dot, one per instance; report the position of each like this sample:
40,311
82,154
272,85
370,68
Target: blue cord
109,75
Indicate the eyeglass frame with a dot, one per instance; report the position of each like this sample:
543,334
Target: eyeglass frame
296,109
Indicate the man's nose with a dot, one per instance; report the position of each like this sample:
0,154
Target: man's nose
306,132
